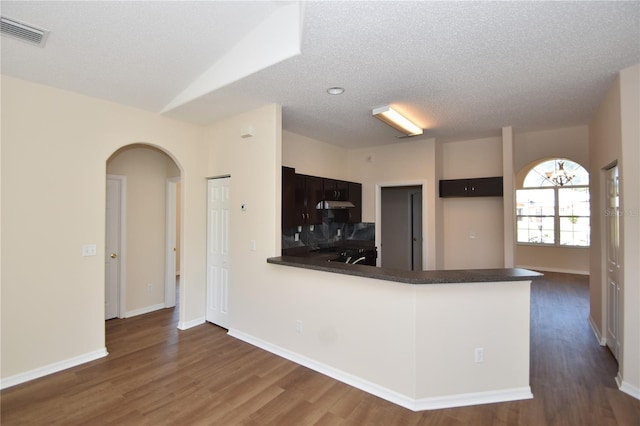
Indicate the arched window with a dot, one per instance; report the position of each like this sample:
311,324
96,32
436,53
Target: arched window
552,208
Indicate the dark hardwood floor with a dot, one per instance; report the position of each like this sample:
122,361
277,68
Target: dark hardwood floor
158,375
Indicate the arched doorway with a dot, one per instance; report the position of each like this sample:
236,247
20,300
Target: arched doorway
139,236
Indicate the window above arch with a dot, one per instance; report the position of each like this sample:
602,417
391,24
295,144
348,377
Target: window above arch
553,208
556,172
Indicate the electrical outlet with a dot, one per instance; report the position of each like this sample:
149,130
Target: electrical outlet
299,326
479,355
149,288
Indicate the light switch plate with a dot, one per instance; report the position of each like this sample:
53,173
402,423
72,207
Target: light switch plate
89,250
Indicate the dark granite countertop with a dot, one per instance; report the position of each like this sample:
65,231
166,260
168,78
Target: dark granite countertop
407,277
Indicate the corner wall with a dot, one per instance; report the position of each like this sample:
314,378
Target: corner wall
614,137
55,145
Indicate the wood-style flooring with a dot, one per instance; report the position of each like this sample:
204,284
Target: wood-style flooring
157,375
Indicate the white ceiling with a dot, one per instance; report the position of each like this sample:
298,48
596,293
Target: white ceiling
459,69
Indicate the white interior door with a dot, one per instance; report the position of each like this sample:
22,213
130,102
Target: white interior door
218,260
614,286
171,242
113,258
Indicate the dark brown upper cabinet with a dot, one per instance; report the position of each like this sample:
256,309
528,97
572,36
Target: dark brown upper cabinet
288,198
337,190
309,192
355,196
477,187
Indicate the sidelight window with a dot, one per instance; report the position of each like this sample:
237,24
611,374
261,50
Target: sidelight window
553,208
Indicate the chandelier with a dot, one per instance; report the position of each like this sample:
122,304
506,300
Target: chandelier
559,176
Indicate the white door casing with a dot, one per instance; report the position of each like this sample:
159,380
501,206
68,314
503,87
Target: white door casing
614,284
218,257
114,246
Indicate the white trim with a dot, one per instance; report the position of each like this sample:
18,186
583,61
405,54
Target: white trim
189,324
602,341
627,388
476,398
434,403
52,368
560,270
144,310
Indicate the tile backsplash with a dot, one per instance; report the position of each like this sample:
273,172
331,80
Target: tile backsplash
327,233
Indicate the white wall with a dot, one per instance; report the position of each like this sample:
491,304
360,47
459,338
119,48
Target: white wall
480,217
569,142
630,223
312,157
614,137
55,145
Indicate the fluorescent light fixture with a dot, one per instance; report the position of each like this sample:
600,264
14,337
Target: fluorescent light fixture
394,119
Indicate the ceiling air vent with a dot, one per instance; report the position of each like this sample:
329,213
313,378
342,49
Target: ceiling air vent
25,32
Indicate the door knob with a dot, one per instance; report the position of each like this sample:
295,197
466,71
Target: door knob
113,255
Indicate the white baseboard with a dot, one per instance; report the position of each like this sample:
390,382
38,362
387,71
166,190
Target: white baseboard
560,270
627,388
52,368
596,332
188,324
476,398
382,392
145,310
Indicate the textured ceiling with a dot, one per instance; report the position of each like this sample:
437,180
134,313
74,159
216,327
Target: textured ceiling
459,69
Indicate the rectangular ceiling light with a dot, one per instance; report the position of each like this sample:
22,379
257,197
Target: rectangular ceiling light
394,119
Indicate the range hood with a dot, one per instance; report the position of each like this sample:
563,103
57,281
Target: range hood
333,205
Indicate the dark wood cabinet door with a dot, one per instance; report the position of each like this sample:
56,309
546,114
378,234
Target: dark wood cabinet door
342,190
300,205
315,194
454,188
288,198
336,190
477,187
355,196
485,187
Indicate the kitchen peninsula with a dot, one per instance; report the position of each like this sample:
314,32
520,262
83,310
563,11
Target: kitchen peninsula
420,339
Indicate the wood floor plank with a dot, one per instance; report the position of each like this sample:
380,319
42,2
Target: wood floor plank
156,375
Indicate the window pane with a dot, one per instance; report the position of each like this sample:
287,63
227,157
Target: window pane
542,174
535,202
535,229
573,202
574,231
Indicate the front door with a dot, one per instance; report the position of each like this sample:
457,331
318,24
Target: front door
614,285
218,256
